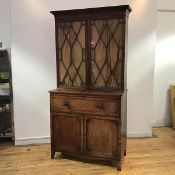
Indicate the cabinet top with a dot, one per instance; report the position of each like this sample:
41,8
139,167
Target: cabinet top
110,9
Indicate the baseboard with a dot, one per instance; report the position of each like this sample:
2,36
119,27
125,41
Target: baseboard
161,124
31,141
139,134
44,140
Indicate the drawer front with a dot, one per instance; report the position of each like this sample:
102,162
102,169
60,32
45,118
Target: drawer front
85,105
101,106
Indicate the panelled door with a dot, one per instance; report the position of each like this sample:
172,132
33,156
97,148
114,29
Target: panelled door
100,136
67,132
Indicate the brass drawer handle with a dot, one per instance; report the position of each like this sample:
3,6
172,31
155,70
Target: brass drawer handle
100,106
66,104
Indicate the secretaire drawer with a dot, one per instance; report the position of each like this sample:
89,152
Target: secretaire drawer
85,105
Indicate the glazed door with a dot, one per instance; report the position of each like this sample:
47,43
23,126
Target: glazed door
67,133
71,50
107,53
100,136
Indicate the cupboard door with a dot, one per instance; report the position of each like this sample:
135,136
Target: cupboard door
67,133
100,137
107,44
71,54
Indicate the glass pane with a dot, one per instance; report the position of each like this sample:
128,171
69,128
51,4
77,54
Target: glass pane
71,54
106,53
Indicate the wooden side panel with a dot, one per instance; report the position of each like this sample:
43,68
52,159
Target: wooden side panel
66,133
101,137
173,104
123,126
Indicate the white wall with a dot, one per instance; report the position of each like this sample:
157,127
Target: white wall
142,39
34,72
164,62
168,4
5,23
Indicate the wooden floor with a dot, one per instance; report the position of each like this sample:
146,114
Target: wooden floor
149,156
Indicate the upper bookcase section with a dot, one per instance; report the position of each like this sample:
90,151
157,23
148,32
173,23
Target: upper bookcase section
91,47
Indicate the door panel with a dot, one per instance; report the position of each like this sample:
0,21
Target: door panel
107,53
67,133
101,137
71,53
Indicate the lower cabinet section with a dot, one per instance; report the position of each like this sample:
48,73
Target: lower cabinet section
92,136
91,132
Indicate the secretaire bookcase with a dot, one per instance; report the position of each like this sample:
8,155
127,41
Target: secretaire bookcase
88,107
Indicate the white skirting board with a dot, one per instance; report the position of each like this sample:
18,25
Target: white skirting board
44,140
32,141
139,134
